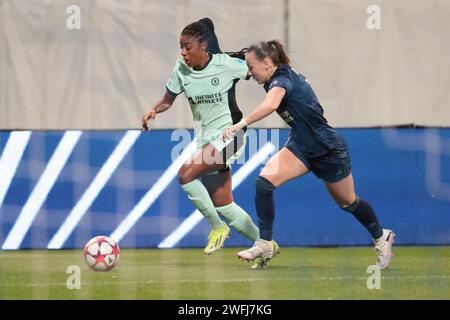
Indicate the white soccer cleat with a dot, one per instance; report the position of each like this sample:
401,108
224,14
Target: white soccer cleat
383,248
261,263
261,249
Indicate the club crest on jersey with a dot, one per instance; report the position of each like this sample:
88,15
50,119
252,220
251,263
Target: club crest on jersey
215,81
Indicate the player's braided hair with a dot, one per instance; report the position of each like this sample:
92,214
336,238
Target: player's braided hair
197,30
238,54
272,49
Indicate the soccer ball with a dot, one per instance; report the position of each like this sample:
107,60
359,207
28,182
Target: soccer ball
101,253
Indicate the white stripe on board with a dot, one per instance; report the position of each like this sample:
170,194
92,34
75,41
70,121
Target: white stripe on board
41,190
11,156
150,197
195,217
94,189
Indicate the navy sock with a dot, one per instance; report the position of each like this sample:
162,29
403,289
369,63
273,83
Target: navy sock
265,207
363,211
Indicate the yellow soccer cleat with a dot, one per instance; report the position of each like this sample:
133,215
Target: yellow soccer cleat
216,239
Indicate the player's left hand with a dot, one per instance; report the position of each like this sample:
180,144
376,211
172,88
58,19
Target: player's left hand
151,114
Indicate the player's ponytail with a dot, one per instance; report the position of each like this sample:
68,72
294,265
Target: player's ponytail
272,49
213,43
277,52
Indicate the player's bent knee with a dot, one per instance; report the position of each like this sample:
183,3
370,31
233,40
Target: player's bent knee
262,183
185,175
349,207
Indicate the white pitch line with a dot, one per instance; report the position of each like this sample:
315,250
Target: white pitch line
195,217
153,194
11,156
94,189
234,280
41,190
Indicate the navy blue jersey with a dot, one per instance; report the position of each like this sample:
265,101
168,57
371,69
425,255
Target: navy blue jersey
301,110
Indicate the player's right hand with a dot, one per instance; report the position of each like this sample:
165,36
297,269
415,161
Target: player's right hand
151,114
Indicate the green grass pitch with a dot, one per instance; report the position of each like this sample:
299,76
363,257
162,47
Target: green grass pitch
297,273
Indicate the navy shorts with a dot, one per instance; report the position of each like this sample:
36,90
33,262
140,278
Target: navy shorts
333,166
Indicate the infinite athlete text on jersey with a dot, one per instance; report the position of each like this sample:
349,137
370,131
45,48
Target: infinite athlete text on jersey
206,98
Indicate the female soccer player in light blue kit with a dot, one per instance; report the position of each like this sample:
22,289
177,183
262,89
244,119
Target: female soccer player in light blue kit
208,81
313,145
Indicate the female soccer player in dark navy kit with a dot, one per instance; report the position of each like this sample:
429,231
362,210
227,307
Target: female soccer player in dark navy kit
313,145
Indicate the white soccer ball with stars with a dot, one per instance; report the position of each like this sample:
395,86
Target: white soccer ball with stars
101,253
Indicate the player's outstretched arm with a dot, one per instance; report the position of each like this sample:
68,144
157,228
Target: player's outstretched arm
269,105
161,106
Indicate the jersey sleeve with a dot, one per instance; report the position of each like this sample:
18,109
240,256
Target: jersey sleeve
282,81
173,85
237,67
